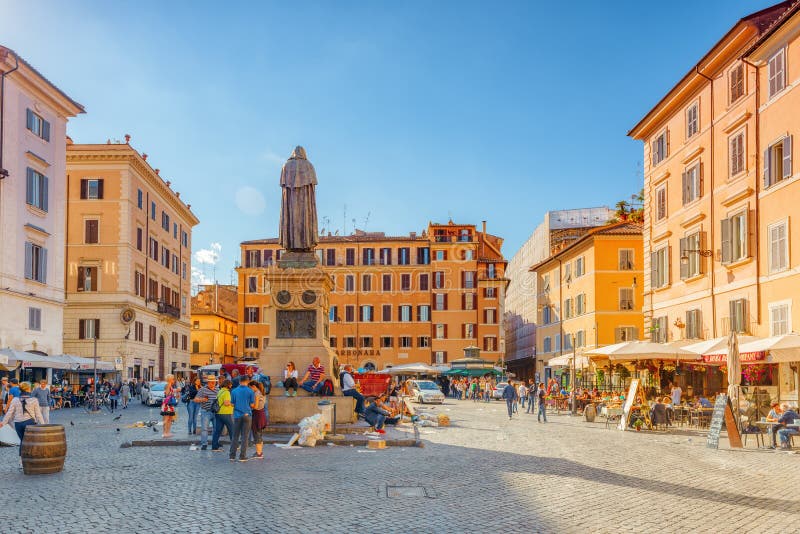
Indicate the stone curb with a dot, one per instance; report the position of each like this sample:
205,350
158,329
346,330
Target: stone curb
356,441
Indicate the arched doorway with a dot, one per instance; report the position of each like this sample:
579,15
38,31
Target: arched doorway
161,363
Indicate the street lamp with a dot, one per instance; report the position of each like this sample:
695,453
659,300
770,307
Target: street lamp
685,254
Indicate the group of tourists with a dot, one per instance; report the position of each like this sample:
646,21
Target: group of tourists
474,389
20,405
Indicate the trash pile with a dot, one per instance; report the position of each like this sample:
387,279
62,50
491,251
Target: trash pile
427,419
312,429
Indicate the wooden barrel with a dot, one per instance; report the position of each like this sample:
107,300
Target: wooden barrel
589,413
44,448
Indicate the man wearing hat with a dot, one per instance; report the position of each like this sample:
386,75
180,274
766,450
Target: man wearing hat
207,398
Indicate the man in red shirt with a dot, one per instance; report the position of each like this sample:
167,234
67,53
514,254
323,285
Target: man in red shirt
314,378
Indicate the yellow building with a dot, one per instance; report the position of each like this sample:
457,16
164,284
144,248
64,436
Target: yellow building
214,325
128,262
590,293
396,299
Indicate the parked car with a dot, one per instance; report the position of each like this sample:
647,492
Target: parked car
425,391
153,394
497,391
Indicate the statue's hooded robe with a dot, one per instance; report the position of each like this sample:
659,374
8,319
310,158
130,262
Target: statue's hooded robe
298,226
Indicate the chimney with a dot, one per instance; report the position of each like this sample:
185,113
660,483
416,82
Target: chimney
483,241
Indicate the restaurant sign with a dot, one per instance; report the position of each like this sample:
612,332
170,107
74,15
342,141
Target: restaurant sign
743,357
358,352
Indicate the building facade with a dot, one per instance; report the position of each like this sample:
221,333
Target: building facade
590,293
559,229
214,325
416,298
128,262
34,116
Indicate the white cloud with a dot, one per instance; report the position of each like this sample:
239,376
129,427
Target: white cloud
272,157
200,278
250,201
208,256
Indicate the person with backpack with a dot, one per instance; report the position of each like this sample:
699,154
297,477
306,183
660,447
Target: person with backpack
224,415
243,399
206,400
23,410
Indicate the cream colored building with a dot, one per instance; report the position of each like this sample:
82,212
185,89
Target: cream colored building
128,262
214,325
34,116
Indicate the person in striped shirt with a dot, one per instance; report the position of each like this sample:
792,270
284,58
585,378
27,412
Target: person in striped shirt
314,377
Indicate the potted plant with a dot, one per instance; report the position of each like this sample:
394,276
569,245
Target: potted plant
638,425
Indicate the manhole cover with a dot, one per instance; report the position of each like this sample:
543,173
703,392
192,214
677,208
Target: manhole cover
406,491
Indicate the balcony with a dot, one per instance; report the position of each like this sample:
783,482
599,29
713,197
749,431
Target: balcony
169,309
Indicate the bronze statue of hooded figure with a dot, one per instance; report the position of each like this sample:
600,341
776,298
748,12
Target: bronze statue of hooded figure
298,226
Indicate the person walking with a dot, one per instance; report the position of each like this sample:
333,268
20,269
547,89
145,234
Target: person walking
125,393
260,417
541,399
42,394
531,396
23,410
206,399
113,396
523,393
189,393
243,400
171,394
224,415
510,396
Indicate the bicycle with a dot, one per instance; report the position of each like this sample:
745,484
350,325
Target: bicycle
103,402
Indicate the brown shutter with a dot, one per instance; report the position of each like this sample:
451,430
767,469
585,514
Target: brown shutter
81,278
726,240
787,156
444,356
685,187
81,328
445,301
97,328
83,188
100,188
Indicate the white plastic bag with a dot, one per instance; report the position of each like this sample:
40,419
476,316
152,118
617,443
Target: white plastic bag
8,436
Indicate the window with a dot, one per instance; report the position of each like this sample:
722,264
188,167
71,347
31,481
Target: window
404,313
333,314
738,315
330,256
691,262
183,270
174,340
387,342
490,293
350,256
404,256
692,121
91,231
580,338
424,282
386,313
441,331
468,301
87,278
366,342
139,284
195,347
468,331
469,255
252,258
625,298
661,203
468,279
154,249
440,255
349,342
349,313
735,238
658,330
423,342
547,345
332,341
438,280
491,271
366,313
386,282
153,210
423,313
423,255
35,319
776,72
490,343
37,125
546,283
580,304
185,238
546,315
251,314
368,256
659,148
736,159
778,247
165,221
252,284
139,199
251,343
139,239
152,334
349,283
625,259
138,331
659,268
439,357
778,162
694,324
691,184
625,333
779,320
440,302
175,230
404,342
567,308
386,256
92,189
196,325
366,282
405,282
35,263
489,316
88,328
36,190
579,267
736,83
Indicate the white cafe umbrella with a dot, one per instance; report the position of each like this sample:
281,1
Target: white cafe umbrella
782,348
642,350
718,345
412,369
734,373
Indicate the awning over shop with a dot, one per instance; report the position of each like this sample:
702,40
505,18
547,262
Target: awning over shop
411,369
744,357
565,360
783,348
80,363
642,350
717,346
31,359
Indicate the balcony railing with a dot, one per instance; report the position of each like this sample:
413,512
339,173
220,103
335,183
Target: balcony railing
169,309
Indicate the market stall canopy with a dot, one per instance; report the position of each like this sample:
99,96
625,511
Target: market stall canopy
783,348
31,359
566,361
717,346
467,363
412,369
81,363
642,350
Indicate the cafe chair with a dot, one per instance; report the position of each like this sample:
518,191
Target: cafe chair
752,430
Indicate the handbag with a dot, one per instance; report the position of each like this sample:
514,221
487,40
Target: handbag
172,401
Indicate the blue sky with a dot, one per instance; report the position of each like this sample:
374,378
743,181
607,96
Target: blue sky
410,111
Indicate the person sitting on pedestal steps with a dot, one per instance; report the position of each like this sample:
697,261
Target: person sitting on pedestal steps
349,389
314,377
290,379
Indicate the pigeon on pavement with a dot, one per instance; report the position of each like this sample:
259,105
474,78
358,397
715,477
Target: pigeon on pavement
117,418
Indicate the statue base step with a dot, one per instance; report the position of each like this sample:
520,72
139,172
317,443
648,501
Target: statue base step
290,410
298,260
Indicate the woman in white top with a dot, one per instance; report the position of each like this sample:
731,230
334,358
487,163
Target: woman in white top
290,379
23,411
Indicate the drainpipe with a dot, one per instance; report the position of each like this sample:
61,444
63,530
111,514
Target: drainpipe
711,210
3,171
757,206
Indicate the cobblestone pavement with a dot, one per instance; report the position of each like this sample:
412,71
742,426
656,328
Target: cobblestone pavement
484,473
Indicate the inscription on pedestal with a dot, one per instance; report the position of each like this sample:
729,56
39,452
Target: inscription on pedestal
297,324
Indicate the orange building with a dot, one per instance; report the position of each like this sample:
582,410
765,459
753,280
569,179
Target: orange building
214,325
416,298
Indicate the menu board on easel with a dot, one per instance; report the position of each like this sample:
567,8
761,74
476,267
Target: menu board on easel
626,409
722,412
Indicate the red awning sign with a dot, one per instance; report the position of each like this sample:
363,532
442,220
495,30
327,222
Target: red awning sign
743,357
